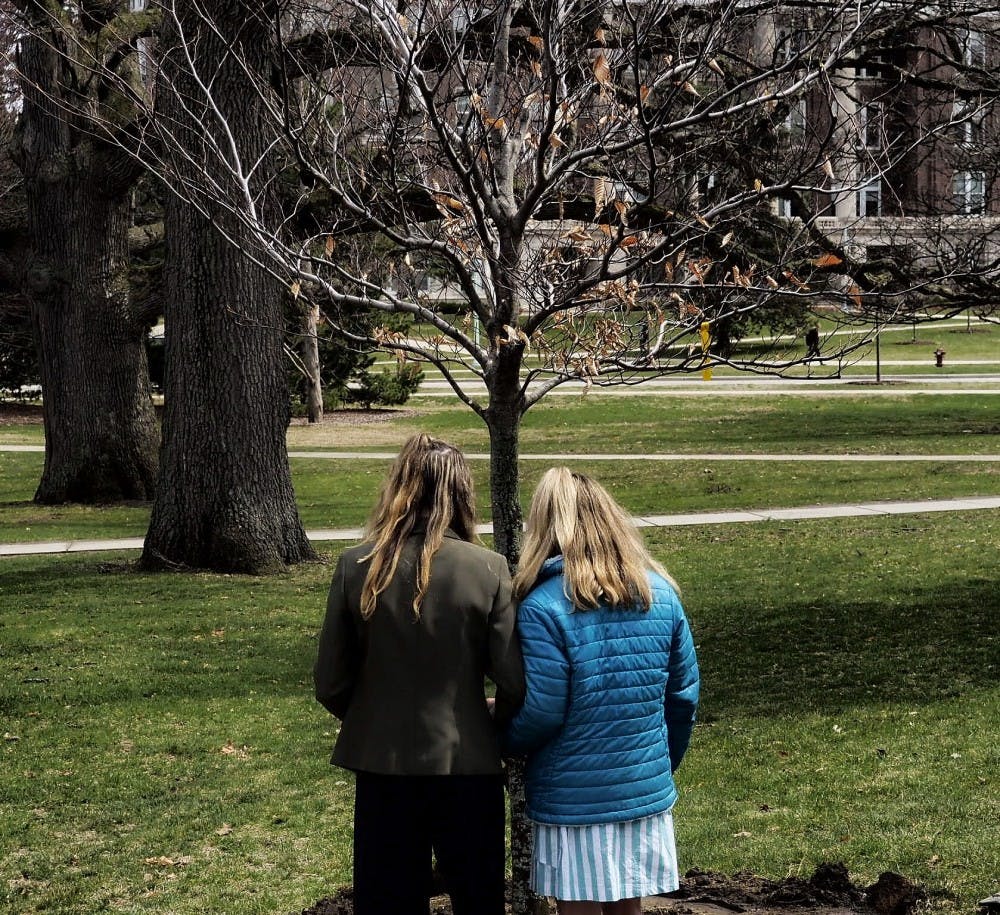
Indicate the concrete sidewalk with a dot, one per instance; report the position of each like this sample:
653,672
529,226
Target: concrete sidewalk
558,456
853,510
555,457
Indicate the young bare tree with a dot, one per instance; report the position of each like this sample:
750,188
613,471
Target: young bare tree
569,192
561,192
101,437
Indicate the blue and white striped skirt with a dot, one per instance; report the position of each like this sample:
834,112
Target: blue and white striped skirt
605,862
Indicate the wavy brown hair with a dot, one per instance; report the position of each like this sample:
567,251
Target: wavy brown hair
429,485
604,558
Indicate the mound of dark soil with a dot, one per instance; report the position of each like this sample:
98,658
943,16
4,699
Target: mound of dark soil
829,889
894,895
829,886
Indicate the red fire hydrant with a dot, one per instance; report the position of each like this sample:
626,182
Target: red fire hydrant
939,357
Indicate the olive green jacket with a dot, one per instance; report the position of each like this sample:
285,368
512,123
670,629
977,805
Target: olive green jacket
410,692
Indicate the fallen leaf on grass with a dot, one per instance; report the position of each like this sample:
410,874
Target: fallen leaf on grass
164,861
224,830
230,749
10,737
743,834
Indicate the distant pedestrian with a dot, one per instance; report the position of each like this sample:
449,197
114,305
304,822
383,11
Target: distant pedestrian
812,342
417,615
612,692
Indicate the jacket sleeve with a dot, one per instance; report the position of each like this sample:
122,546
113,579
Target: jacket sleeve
683,683
505,667
547,672
339,659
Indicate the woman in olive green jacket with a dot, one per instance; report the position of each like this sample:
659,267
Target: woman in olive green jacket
417,615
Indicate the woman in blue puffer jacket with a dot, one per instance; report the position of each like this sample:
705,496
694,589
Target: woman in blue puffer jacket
612,692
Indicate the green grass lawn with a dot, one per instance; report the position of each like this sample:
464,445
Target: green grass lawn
900,423
334,494
339,493
161,751
978,341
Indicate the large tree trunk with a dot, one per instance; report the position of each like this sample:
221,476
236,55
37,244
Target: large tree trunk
101,437
225,499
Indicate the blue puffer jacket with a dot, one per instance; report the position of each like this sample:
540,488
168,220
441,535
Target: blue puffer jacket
611,703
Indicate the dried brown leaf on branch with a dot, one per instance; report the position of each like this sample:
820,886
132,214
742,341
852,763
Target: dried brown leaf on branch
602,70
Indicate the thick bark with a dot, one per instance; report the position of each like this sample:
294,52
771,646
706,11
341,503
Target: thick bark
101,437
225,499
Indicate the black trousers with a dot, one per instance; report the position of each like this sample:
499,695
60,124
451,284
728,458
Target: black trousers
399,820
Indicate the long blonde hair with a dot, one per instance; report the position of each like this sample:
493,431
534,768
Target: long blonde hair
604,558
429,484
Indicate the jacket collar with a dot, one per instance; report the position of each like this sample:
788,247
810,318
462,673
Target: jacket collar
421,529
552,567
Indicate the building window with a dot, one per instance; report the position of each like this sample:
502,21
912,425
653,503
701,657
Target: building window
871,64
787,208
967,118
705,187
461,19
795,121
970,192
870,198
463,104
788,45
871,125
144,57
973,48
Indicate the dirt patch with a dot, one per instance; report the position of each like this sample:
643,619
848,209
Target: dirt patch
13,413
350,429
894,895
356,417
829,891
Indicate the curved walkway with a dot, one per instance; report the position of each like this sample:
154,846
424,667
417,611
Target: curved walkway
337,455
675,456
852,510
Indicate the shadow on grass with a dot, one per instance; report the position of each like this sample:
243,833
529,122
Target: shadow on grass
925,645
77,635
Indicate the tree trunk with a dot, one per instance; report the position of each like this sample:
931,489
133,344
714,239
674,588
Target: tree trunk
101,437
311,363
225,499
504,423
503,419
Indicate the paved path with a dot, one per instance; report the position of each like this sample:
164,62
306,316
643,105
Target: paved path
853,510
337,455
742,386
557,456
